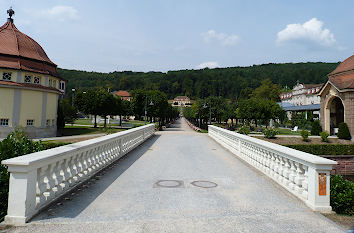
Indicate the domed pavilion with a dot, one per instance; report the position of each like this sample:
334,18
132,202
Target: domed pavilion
29,84
337,98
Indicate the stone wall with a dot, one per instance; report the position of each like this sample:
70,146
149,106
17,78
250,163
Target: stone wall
345,164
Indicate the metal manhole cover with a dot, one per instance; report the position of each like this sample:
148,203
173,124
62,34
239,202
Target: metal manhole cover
169,184
204,184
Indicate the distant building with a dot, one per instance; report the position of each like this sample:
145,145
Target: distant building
124,95
181,101
337,98
29,85
302,98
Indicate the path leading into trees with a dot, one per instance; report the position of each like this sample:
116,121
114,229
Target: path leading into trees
155,188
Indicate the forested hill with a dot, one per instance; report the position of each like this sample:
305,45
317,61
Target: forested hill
232,83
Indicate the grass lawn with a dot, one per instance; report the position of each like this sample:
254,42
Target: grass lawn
283,131
132,123
85,130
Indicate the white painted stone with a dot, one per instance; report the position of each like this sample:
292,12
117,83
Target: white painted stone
39,178
296,171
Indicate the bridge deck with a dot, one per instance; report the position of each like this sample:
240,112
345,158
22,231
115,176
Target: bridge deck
127,198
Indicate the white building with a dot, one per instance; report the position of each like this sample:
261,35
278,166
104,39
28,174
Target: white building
302,98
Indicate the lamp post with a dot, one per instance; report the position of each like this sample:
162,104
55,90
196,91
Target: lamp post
204,106
72,96
151,104
210,113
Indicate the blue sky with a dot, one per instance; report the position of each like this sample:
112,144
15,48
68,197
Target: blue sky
162,35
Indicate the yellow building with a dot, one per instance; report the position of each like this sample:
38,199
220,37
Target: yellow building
29,85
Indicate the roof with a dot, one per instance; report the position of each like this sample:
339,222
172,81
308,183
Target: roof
181,98
28,85
343,76
345,66
313,85
19,51
302,107
343,81
122,93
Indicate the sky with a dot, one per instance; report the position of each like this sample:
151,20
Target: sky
163,35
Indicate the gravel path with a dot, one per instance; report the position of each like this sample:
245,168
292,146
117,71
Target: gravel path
180,181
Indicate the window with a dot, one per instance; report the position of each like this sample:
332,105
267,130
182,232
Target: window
37,80
50,82
4,122
62,85
53,123
54,83
47,123
30,122
28,79
6,76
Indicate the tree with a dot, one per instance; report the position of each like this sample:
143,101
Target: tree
267,90
66,113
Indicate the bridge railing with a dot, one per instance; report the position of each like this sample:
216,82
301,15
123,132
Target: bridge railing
305,175
39,178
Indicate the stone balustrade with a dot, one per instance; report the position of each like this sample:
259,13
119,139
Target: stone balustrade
305,175
39,178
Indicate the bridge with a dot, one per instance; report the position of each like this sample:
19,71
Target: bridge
175,180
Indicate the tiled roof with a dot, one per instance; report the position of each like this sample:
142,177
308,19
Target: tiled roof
122,93
28,85
346,65
344,81
19,51
343,76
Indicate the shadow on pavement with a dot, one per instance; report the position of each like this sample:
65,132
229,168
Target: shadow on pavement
73,203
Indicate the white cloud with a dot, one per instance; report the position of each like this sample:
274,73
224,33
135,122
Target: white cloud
209,64
225,39
311,31
59,13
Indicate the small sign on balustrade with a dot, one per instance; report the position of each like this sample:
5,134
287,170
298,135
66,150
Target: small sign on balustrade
322,184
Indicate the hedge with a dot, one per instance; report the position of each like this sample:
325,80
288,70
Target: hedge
342,195
325,149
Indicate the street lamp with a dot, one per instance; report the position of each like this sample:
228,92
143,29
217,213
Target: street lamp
151,104
72,96
204,106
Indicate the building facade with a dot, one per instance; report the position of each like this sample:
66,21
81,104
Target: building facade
302,98
337,98
179,101
29,85
124,95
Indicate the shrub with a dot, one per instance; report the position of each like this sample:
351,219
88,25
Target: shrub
325,149
343,131
324,136
16,144
316,128
270,133
305,135
342,195
244,130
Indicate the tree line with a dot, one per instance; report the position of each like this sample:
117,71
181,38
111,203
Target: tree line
259,107
231,83
152,105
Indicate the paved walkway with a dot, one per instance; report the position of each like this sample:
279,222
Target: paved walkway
129,197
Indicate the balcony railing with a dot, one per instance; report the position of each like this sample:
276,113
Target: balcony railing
305,175
37,179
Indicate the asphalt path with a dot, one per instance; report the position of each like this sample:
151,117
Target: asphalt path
180,181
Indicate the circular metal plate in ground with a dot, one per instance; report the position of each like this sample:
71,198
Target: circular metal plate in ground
169,183
204,184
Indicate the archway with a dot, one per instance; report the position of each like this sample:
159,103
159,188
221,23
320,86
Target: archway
336,110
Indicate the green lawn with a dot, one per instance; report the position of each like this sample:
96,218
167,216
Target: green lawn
132,123
287,132
85,130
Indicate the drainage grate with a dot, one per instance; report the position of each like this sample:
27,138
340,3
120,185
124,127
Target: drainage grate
204,184
169,184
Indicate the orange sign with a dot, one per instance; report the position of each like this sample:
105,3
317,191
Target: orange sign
322,182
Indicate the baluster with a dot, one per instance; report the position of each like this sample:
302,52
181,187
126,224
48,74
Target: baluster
286,172
65,174
292,175
49,183
281,169
305,181
71,171
40,186
57,178
299,178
